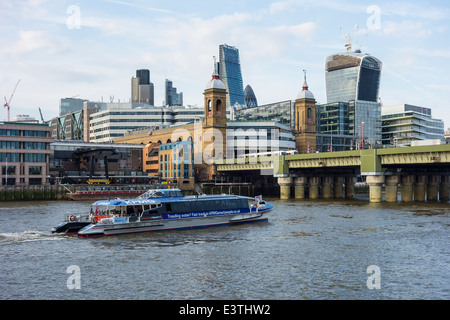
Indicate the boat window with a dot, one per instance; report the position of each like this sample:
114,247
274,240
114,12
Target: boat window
134,210
168,207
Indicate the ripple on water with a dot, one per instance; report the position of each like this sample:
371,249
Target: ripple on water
8,238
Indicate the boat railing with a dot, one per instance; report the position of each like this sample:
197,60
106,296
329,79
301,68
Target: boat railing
77,217
150,194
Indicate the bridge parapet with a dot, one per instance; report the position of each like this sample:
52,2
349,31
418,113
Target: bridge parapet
390,167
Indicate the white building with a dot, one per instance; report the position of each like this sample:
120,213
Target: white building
257,137
116,119
404,123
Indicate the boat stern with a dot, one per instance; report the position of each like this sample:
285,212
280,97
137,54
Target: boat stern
91,230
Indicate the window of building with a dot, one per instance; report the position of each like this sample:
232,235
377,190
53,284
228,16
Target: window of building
9,145
33,133
34,170
8,170
10,157
33,157
7,132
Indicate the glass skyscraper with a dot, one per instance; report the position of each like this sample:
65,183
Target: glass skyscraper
250,98
352,76
230,74
355,77
173,98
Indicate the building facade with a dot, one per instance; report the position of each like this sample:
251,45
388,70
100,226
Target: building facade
250,98
118,120
176,164
172,97
335,127
404,123
282,112
70,105
76,162
305,121
142,90
230,74
150,161
355,76
249,137
25,153
352,76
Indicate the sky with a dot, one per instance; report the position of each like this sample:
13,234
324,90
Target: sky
91,49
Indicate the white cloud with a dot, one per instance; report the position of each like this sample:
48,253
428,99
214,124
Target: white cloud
276,7
32,41
406,28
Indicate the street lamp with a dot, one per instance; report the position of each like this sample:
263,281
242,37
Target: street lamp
362,134
331,137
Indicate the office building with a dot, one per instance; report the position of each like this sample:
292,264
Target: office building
247,137
281,112
447,136
352,76
116,120
250,98
231,75
119,118
142,90
24,153
336,127
355,76
70,105
176,161
150,161
403,124
172,97
76,161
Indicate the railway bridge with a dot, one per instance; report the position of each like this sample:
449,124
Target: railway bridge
422,172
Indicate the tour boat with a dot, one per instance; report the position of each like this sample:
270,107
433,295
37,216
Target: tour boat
168,209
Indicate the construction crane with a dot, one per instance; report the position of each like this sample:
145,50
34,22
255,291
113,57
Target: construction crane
42,118
7,103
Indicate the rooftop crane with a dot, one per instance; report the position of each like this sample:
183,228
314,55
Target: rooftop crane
42,118
7,103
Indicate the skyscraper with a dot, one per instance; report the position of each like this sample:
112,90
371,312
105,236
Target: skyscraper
250,98
352,76
230,74
355,76
172,97
142,90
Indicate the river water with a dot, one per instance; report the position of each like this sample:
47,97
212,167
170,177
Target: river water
309,249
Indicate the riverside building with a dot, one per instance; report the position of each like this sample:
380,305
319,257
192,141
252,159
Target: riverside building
355,76
403,124
24,153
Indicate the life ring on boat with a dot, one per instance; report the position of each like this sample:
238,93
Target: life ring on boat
72,218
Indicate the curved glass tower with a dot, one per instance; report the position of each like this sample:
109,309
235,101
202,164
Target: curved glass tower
230,74
352,76
250,98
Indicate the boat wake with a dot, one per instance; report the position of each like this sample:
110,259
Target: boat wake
26,236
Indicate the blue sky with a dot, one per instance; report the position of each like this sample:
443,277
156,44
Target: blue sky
91,49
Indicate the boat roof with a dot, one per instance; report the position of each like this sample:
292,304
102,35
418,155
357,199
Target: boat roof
164,195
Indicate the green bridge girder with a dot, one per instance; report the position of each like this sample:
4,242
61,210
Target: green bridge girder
367,162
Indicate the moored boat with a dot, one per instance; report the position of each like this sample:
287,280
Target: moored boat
105,192
168,209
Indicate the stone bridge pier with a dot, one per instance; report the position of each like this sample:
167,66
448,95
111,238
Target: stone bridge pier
413,187
336,187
